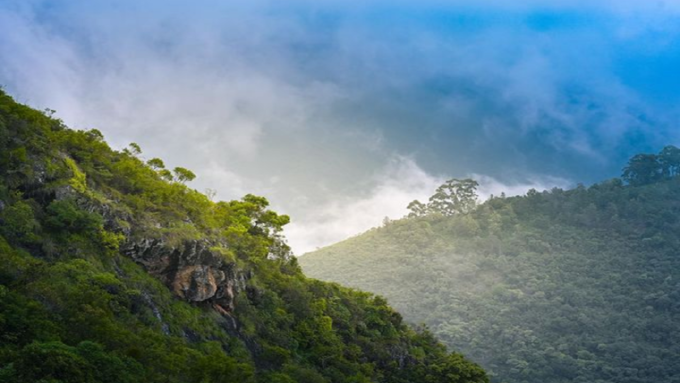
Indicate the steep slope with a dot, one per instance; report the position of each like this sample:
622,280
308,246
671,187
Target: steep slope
562,286
112,270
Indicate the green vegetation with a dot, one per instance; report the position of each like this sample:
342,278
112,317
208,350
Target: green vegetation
453,197
644,169
82,299
580,285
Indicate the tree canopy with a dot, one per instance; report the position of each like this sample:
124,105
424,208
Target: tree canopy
555,286
452,197
643,169
81,301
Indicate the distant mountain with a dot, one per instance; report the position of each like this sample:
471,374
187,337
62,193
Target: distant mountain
112,270
580,285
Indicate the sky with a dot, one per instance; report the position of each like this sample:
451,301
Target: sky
342,112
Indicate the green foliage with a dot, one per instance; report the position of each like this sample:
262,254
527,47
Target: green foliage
74,308
453,197
184,175
135,149
66,217
560,286
18,222
417,209
78,182
644,169
156,163
669,158
166,174
57,362
111,241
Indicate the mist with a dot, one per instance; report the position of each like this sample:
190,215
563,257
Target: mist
340,113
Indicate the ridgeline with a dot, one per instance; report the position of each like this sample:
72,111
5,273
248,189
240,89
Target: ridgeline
112,270
559,286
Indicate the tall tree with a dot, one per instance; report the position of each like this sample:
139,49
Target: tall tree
643,169
183,175
669,158
454,197
417,209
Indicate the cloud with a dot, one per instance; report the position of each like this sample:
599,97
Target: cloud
505,75
41,63
401,182
193,86
489,186
326,107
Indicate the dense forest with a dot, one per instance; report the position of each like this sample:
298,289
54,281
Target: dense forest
578,285
113,270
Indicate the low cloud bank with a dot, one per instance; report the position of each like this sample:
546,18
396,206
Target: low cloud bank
402,182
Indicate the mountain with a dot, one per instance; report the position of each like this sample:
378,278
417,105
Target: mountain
577,285
113,270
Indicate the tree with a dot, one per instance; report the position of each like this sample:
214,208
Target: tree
417,208
454,197
135,149
17,222
95,134
51,362
256,208
643,169
669,158
166,174
183,175
156,163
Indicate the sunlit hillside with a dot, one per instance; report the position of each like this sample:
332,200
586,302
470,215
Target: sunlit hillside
113,270
578,285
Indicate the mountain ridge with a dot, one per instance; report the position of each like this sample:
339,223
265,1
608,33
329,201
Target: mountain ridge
113,270
575,285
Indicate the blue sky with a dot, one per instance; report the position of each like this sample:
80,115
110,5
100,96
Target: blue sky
342,112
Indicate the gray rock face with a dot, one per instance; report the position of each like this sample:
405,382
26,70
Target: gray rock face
192,271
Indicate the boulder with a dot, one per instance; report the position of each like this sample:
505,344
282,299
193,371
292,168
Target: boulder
191,270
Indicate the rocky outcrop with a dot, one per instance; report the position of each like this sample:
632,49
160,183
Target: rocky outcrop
192,270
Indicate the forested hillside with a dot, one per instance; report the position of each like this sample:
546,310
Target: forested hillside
112,270
577,285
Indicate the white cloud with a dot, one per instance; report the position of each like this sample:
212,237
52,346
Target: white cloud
161,82
245,95
489,186
402,182
39,62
